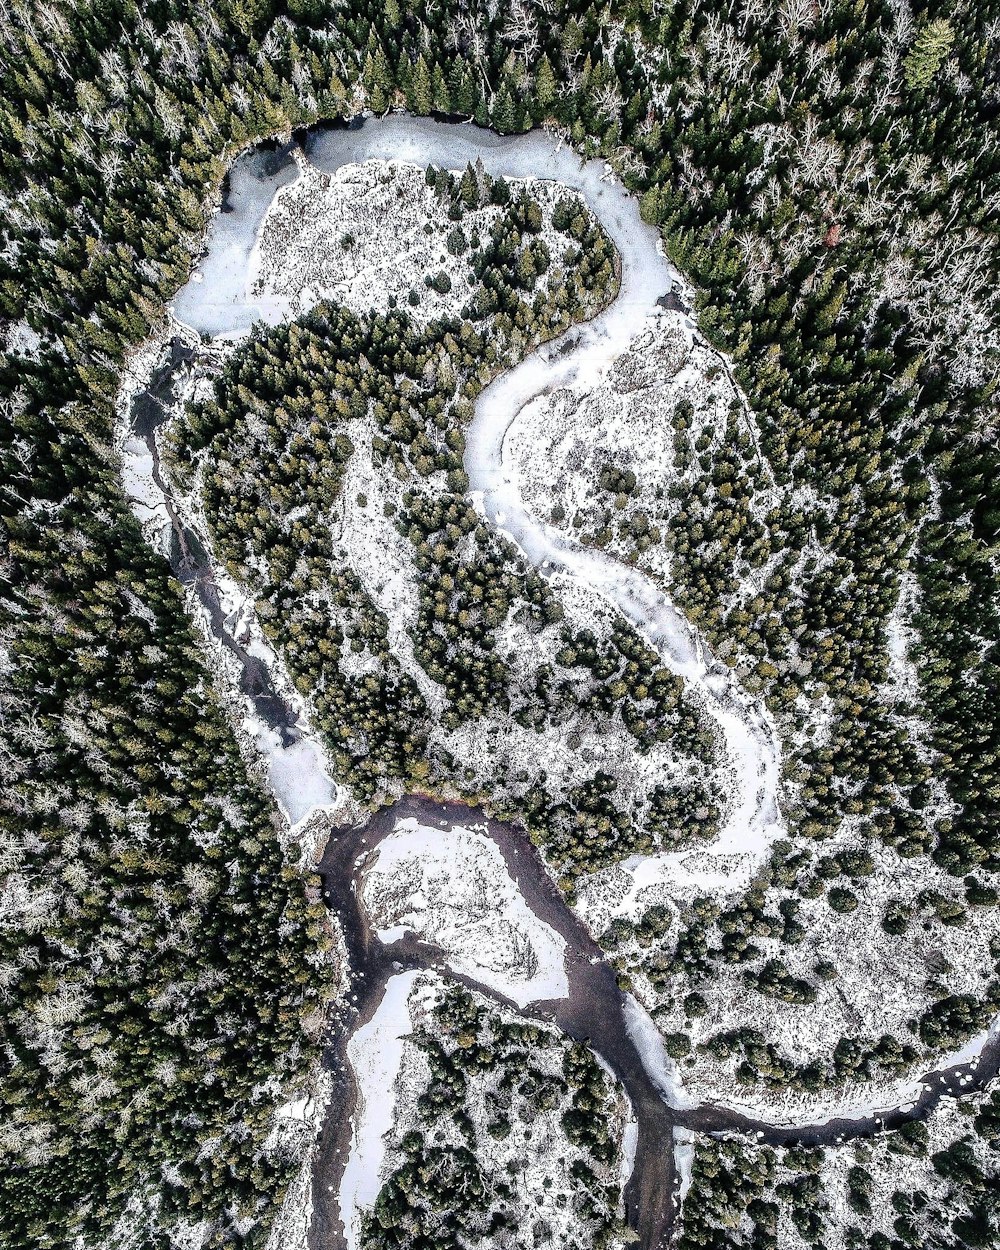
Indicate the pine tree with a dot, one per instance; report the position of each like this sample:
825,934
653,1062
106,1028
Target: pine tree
468,188
928,53
545,87
505,114
462,87
442,98
377,78
421,97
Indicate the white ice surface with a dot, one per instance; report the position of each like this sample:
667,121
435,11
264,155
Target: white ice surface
223,303
648,1041
374,1052
297,773
752,821
214,300
630,1143
299,1109
684,1141
219,304
141,490
451,887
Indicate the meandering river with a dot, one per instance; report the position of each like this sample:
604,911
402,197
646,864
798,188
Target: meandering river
594,1008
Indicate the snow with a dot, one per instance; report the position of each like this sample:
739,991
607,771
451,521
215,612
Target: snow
21,340
684,1143
299,774
296,1127
144,496
25,903
240,281
246,280
900,640
214,301
504,755
751,739
648,1041
279,246
137,477
801,1109
630,1144
536,1158
890,1173
298,1109
862,1002
382,558
375,1052
452,888
357,236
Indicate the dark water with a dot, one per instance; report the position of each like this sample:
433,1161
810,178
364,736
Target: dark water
592,1012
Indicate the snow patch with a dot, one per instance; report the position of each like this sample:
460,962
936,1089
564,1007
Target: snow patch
648,1041
296,773
684,1140
630,1144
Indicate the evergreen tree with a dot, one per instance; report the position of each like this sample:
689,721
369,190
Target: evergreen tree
925,58
421,94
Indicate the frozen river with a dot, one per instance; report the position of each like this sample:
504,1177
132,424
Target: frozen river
216,303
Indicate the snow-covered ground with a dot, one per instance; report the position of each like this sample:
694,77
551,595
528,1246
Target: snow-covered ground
684,1148
296,1126
495,749
648,1041
236,270
358,236
298,773
143,494
18,338
314,225
452,888
552,452
861,1002
894,1173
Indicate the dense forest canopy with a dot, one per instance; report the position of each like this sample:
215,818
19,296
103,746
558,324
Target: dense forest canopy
826,174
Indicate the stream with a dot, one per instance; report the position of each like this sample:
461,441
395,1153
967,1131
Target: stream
215,302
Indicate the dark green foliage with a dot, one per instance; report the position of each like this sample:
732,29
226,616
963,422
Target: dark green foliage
762,1062
584,1123
729,1191
953,1019
274,443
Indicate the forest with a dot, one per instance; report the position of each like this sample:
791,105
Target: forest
827,177
470,582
